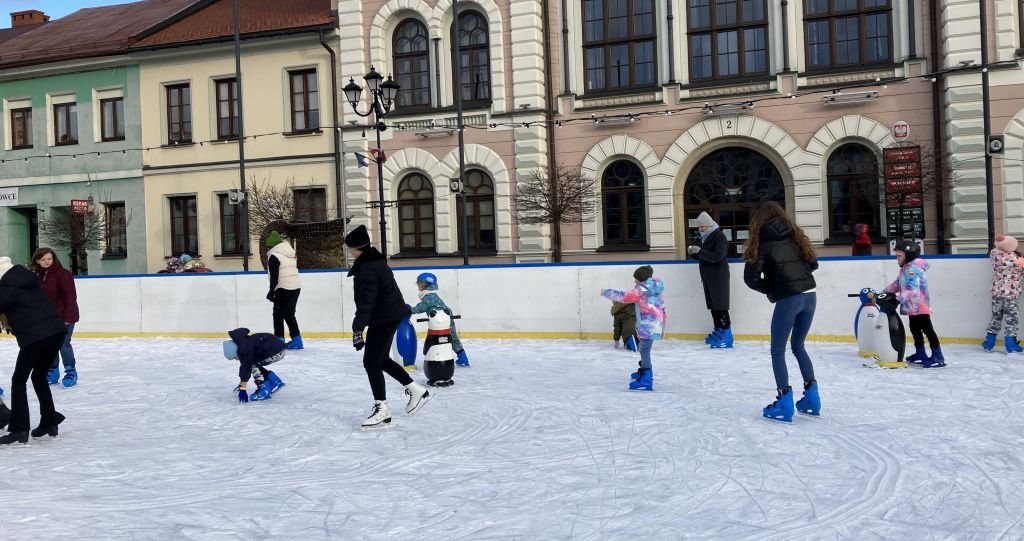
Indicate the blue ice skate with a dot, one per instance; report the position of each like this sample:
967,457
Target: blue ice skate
990,342
919,355
630,343
296,343
645,382
53,376
1012,346
935,361
463,360
810,404
70,378
262,393
724,341
782,408
273,382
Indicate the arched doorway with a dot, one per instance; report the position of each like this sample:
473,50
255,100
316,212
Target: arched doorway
729,184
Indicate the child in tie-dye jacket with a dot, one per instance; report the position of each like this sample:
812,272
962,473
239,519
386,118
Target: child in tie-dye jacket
650,324
1006,288
912,287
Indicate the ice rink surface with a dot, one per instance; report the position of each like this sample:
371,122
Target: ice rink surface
537,440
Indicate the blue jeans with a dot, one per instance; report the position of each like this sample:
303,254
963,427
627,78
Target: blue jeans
792,320
645,352
66,351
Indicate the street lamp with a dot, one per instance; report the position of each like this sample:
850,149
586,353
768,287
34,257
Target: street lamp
384,95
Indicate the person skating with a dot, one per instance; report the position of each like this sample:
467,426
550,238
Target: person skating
254,353
1006,288
431,300
911,285
39,330
380,308
624,325
59,286
780,263
651,317
285,288
713,253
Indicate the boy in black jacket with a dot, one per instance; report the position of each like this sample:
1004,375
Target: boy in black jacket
254,352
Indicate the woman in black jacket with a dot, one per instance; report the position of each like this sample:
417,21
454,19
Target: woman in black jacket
381,307
780,262
40,332
713,253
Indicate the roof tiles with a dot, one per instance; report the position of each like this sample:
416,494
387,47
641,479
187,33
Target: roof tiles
215,20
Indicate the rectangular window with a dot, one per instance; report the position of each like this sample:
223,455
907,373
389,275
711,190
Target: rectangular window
310,204
305,100
230,227
65,124
116,230
727,39
112,119
227,109
21,128
846,33
179,114
184,234
619,44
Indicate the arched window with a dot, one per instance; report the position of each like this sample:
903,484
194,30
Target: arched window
619,49
622,194
853,185
729,184
480,202
476,57
416,212
412,64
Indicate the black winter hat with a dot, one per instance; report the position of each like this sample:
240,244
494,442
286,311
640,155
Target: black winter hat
643,273
358,238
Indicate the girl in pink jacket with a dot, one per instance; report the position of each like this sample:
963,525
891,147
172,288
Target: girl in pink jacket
912,287
1006,278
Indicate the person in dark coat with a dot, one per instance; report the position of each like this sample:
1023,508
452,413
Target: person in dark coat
33,320
713,253
381,307
254,352
624,325
59,286
779,263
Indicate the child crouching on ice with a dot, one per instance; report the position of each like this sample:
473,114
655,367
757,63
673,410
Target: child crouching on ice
650,309
430,300
1006,287
912,287
254,352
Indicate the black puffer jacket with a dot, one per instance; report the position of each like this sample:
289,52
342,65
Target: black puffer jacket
780,271
378,299
30,313
714,270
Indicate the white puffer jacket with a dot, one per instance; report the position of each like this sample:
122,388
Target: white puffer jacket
288,272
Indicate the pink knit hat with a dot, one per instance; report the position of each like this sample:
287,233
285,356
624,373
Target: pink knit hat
1006,243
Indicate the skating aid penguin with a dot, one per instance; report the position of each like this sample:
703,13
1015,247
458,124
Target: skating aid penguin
438,355
879,329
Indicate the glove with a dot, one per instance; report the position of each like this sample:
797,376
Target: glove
243,397
693,249
357,340
270,296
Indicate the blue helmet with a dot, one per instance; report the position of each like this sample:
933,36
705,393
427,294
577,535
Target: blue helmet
427,278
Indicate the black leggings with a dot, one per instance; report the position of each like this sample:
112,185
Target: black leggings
921,325
285,301
721,319
377,358
34,360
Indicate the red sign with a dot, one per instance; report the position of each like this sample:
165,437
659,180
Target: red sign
80,206
903,177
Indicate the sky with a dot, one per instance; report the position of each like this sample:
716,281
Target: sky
54,8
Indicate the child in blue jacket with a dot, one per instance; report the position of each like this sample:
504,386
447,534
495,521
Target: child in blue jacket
254,352
430,300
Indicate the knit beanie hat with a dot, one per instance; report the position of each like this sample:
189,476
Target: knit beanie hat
230,349
643,273
274,239
1006,243
705,220
358,238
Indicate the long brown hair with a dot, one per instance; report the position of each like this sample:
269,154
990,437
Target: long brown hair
765,214
39,254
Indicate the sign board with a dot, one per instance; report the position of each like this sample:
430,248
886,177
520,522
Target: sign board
903,177
909,219
79,206
9,197
900,131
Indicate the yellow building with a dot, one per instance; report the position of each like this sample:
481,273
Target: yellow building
190,124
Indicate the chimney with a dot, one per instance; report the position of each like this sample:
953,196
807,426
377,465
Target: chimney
31,17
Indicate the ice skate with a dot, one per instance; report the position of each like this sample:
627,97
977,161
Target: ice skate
418,397
380,417
782,408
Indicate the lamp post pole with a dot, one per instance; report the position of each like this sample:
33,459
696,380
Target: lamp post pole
244,206
383,98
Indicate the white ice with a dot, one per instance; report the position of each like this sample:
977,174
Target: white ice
537,440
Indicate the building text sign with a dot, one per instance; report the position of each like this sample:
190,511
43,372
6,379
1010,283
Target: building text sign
79,206
903,177
8,197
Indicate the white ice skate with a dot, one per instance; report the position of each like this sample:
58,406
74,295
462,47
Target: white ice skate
418,397
380,416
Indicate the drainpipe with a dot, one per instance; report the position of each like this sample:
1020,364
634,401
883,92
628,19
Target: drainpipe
565,45
339,191
671,47
549,93
437,72
912,29
785,35
938,118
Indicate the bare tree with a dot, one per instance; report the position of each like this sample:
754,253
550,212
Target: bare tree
80,233
270,203
556,197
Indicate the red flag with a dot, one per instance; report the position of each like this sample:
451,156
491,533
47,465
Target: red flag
378,155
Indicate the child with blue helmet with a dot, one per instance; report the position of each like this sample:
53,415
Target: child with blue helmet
254,352
430,300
